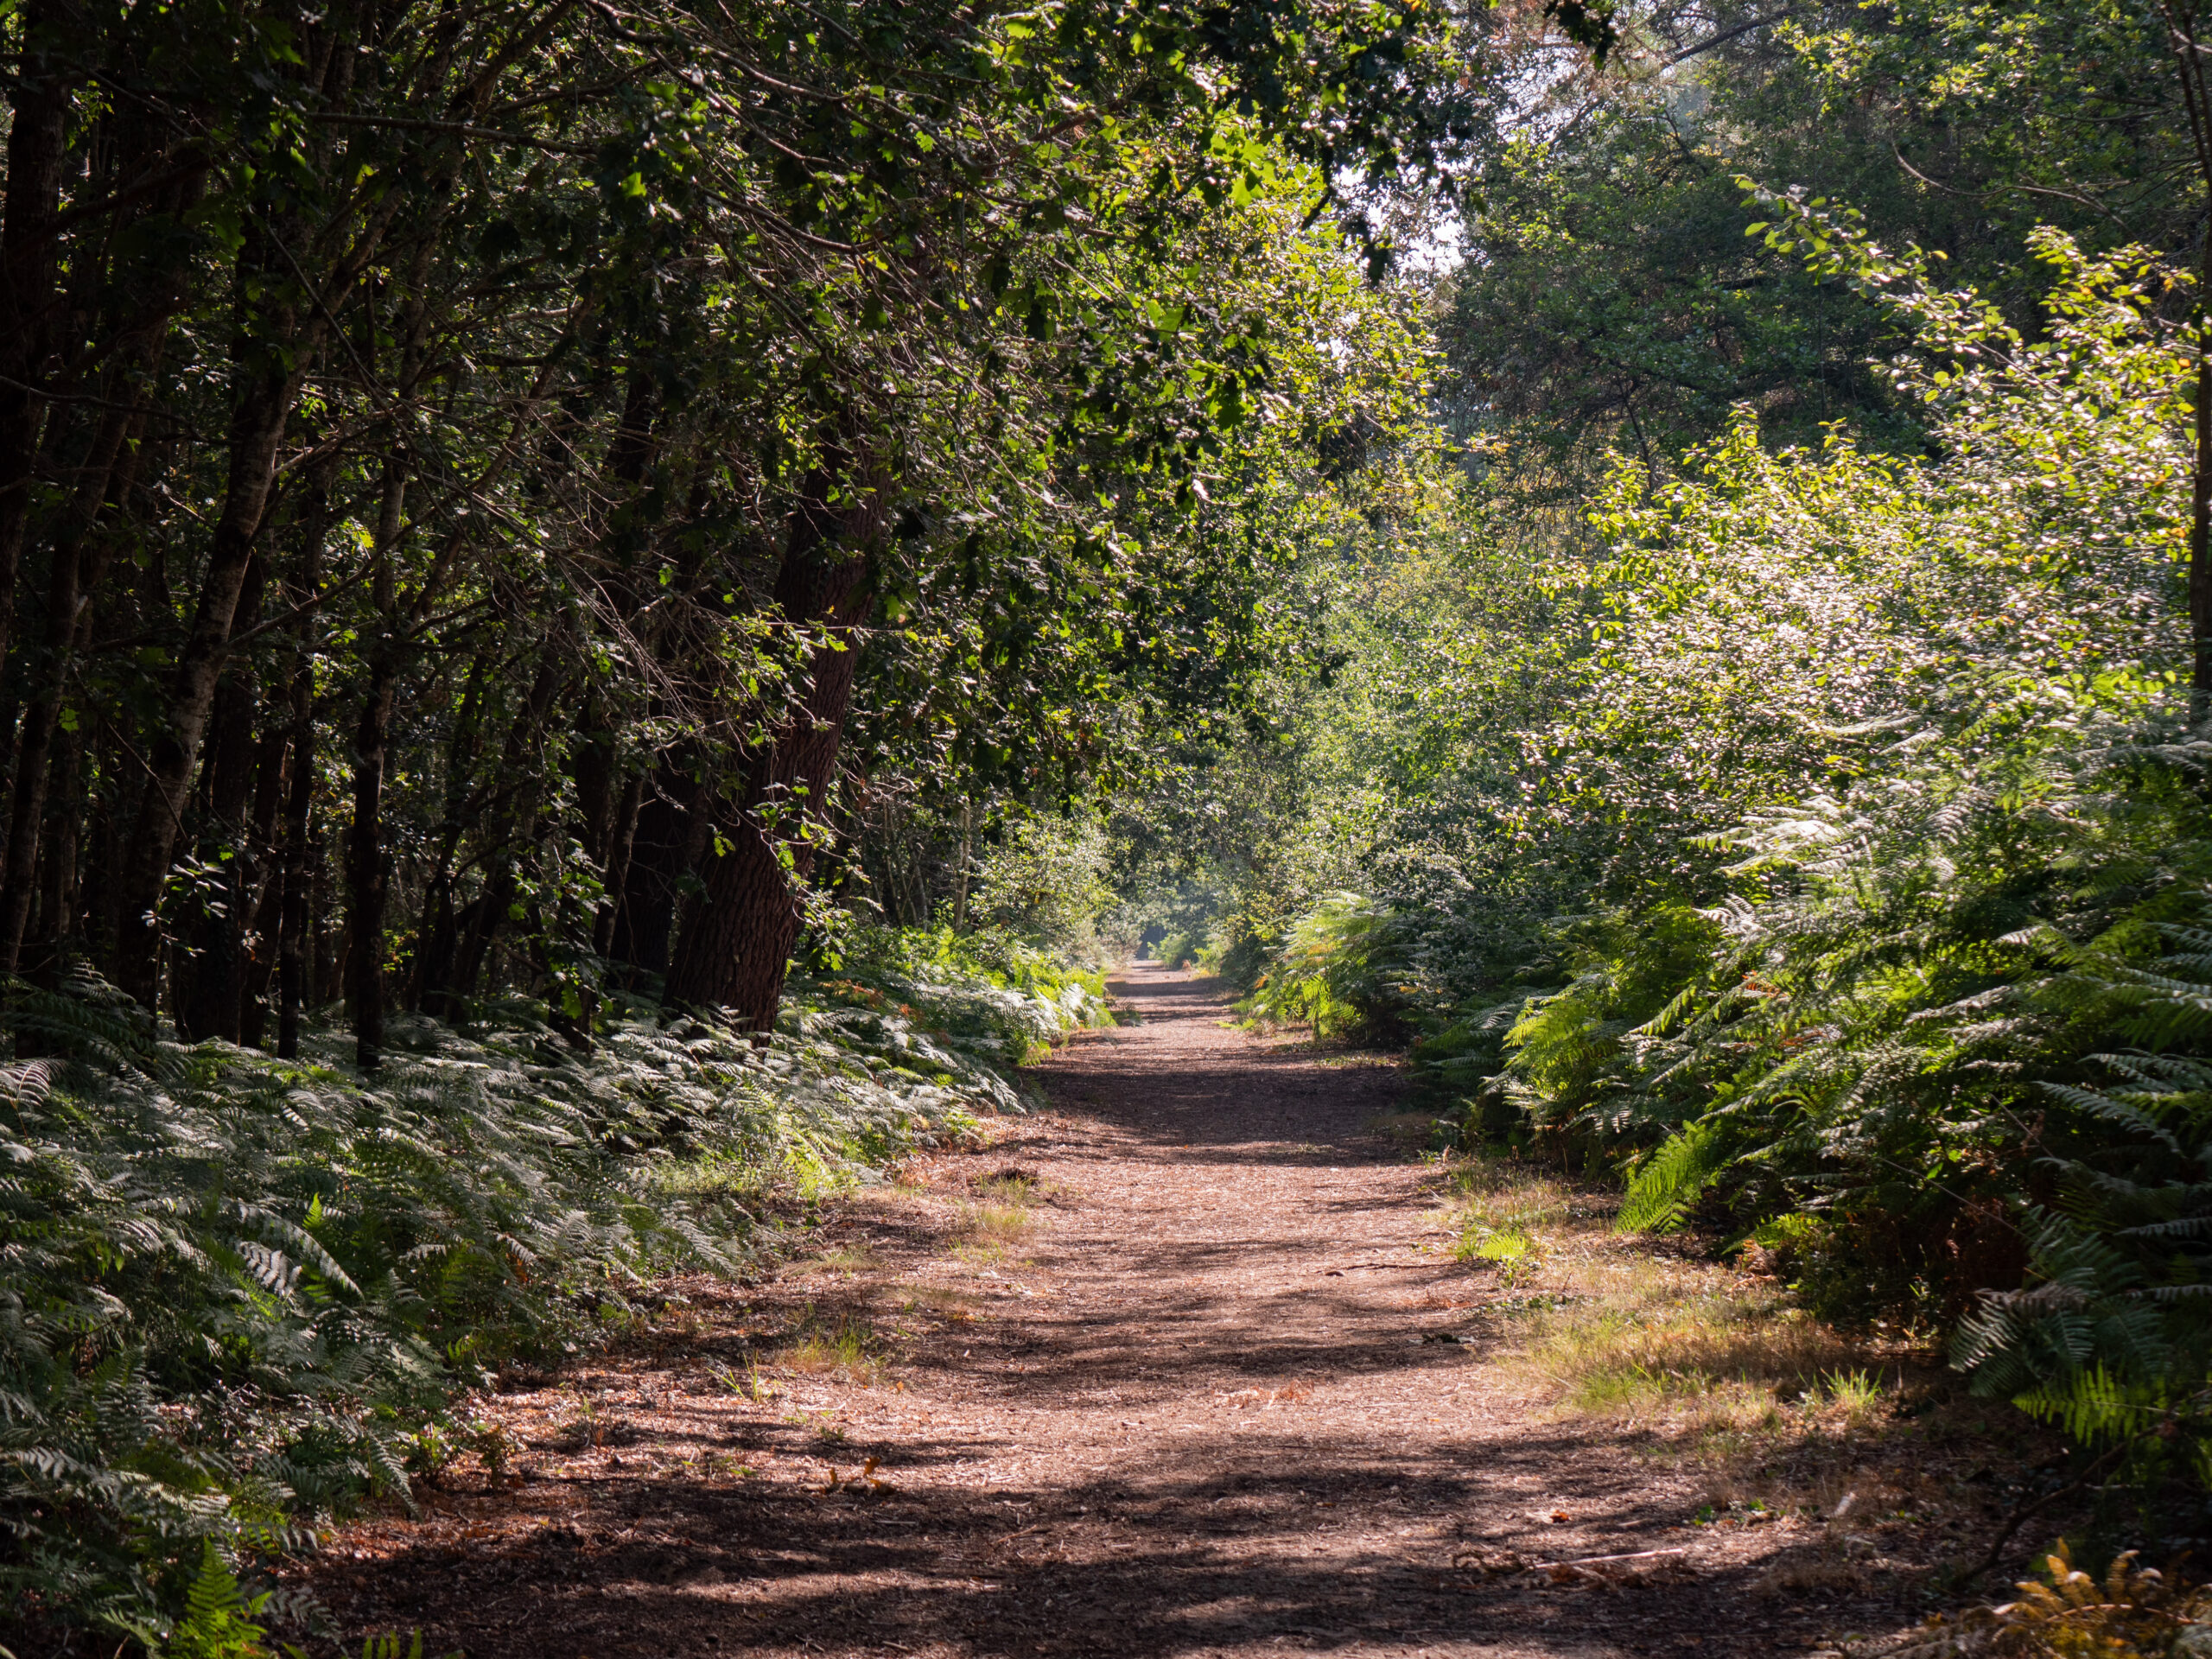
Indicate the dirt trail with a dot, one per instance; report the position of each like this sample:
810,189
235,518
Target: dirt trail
1202,1407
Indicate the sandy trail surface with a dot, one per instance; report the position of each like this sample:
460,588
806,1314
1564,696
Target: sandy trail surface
1203,1406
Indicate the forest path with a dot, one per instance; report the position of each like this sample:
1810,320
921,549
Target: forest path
1200,1407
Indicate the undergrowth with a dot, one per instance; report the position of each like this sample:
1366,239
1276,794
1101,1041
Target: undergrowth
236,1292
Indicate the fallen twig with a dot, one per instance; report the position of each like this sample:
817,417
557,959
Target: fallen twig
1595,1560
1372,1267
2023,1512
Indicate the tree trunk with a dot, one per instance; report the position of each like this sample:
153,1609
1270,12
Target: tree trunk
292,876
208,964
453,959
433,939
966,864
271,359
68,579
366,874
622,840
666,842
2200,504
57,921
265,895
735,941
28,297
256,425
2182,20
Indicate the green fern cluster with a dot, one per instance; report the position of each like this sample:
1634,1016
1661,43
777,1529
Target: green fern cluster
231,1288
1339,970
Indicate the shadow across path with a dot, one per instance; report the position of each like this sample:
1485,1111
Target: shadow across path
1219,1399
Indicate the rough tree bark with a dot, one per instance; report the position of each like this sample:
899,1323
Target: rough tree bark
735,939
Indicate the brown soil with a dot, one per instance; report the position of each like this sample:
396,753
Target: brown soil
1202,1406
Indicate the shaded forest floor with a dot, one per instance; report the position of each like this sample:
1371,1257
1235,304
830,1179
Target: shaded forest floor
1189,1365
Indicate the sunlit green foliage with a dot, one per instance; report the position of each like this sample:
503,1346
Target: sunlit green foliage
1816,839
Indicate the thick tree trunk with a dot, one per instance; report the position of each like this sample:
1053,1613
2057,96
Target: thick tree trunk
735,941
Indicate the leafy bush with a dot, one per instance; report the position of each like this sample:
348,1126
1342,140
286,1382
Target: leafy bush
1902,1036
1046,879
986,999
1823,845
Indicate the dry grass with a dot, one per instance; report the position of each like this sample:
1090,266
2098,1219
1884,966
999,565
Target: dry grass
1509,1216
957,1306
845,1262
1619,1329
985,1232
1001,1217
847,1351
1833,1438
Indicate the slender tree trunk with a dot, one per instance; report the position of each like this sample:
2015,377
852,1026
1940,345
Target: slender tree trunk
2182,21
256,426
435,938
28,297
2200,502
366,874
209,964
667,839
264,892
64,603
966,864
272,361
57,920
454,962
622,840
293,909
